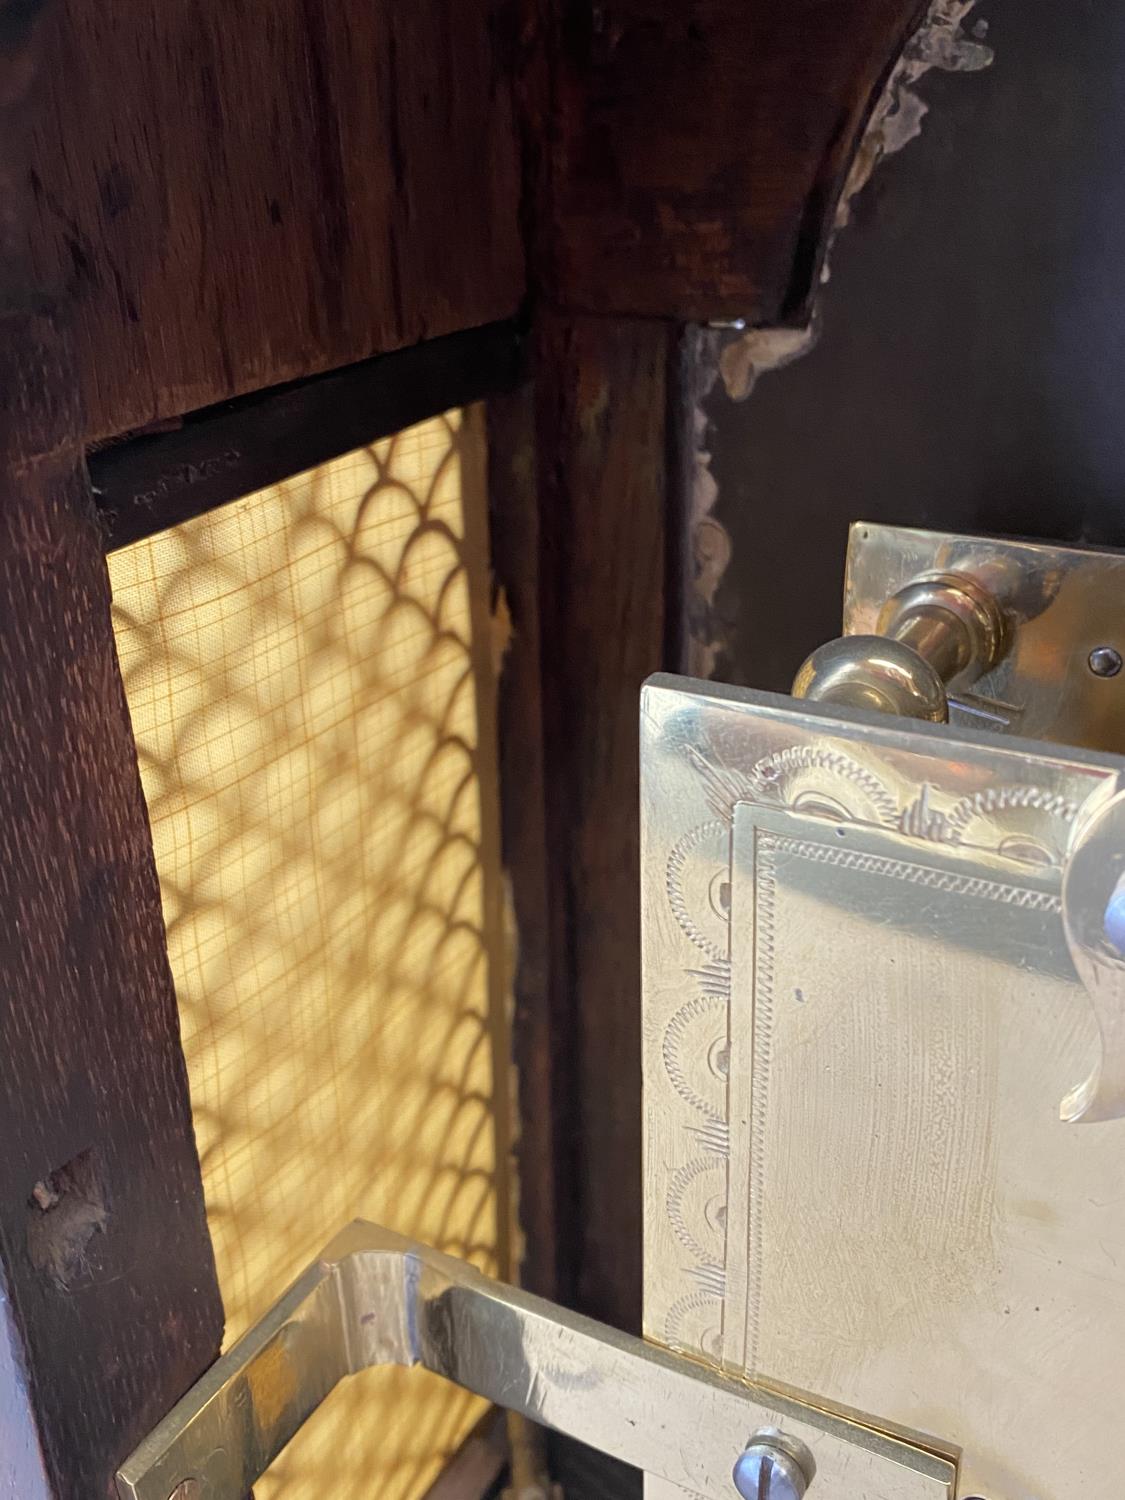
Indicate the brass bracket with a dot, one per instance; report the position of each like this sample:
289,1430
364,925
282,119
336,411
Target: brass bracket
374,1298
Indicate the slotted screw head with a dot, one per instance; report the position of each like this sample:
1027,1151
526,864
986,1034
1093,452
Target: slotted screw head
773,1467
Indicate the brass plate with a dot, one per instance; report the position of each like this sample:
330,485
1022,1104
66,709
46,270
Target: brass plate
1061,604
860,1020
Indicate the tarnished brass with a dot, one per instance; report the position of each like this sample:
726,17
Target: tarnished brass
1055,673
881,983
375,1298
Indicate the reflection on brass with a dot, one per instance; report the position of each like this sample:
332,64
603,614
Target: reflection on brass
1092,888
1063,611
876,958
374,1298
873,672
937,632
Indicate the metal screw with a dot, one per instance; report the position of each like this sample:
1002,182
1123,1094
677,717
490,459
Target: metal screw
774,1467
1105,661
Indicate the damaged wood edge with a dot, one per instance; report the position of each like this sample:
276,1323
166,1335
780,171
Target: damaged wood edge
895,119
701,636
940,42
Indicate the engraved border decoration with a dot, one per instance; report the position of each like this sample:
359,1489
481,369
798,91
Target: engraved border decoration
703,753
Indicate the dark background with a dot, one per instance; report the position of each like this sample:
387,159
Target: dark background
970,371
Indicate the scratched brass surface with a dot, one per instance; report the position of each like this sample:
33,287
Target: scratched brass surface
861,1020
376,1298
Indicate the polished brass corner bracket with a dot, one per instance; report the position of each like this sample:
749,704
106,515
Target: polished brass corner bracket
374,1298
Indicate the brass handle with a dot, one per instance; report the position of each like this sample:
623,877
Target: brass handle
941,630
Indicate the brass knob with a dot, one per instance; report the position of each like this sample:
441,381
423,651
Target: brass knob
940,631
873,671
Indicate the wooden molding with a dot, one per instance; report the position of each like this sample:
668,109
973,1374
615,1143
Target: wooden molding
232,198
149,482
580,535
699,149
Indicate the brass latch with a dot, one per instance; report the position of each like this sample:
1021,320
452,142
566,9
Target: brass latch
1020,637
1023,637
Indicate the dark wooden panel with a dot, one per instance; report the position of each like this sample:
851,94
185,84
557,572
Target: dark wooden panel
236,195
542,1067
585,1474
102,1229
105,1258
584,500
145,484
602,481
699,148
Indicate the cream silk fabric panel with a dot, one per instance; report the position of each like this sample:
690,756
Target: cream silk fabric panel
307,671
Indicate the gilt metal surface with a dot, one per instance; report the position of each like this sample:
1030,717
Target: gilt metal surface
940,632
866,1048
375,1298
1061,604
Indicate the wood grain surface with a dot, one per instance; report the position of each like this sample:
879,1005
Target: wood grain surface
234,201
587,629
698,149
583,515
541,1058
236,195
102,1227
112,1308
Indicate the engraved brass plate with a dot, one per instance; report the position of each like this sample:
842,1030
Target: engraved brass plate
861,1020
